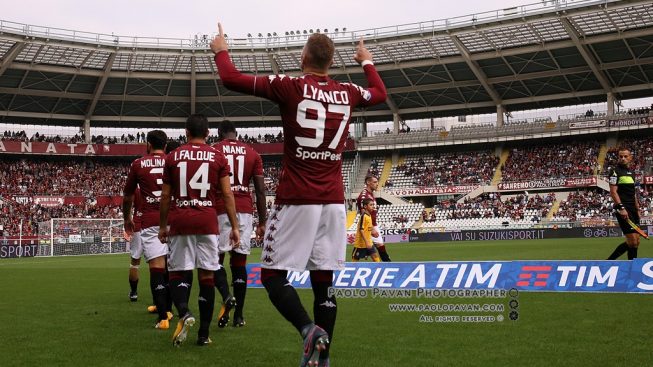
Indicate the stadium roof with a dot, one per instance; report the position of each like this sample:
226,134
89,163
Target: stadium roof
533,56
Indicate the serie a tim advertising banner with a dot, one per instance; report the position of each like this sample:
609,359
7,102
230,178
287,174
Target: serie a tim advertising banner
634,276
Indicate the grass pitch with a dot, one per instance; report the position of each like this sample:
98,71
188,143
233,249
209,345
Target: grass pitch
74,311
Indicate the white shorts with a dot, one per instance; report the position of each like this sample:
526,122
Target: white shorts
245,222
305,237
152,246
136,246
193,251
377,240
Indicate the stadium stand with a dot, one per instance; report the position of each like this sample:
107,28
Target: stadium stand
271,172
126,138
43,176
396,216
584,204
592,203
551,161
86,178
489,210
444,169
640,148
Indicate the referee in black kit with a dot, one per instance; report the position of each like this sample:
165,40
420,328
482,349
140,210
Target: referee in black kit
626,205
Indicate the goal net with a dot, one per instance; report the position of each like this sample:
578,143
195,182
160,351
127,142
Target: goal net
80,236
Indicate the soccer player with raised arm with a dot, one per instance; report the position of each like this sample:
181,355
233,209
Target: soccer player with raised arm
194,174
306,228
246,165
371,184
146,174
626,205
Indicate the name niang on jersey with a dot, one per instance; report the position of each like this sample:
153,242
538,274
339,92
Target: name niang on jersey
323,156
233,149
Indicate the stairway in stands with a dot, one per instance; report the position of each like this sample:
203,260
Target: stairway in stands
387,168
351,217
603,153
560,197
505,153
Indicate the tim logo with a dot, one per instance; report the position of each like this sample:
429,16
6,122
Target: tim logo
535,275
254,276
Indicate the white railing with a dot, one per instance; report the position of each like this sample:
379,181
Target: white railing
201,42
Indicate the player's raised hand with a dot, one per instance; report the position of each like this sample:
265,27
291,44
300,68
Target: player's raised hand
219,43
362,53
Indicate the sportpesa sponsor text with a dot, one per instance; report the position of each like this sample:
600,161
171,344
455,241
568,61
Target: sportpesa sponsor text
323,155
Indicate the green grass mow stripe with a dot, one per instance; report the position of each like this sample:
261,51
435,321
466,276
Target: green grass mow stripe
75,311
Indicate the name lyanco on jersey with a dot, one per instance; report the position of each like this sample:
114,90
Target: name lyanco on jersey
331,96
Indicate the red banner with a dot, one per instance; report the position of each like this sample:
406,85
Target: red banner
648,180
49,201
24,200
548,183
105,200
133,150
438,190
10,146
74,200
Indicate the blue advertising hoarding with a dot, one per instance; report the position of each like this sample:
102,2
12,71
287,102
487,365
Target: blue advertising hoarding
536,275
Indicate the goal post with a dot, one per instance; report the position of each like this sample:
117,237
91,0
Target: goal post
80,236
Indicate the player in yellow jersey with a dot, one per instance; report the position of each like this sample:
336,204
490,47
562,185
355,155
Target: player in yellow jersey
363,246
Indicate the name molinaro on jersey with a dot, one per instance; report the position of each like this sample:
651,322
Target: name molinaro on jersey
153,163
323,155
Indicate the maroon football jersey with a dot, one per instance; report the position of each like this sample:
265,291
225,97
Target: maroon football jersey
359,203
193,172
138,214
244,163
146,173
315,113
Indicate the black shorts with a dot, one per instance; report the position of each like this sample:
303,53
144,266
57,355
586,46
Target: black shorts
361,253
633,215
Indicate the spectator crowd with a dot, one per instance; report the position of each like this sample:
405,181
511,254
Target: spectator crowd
493,205
551,161
139,138
446,169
